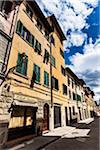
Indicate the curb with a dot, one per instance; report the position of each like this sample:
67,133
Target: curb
48,143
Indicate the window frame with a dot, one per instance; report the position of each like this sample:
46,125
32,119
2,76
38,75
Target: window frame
53,61
46,78
64,89
55,83
22,67
37,73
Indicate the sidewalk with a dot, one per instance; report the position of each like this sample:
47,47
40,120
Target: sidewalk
35,144
68,132
86,121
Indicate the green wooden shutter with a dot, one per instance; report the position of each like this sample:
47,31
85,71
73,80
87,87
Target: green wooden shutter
33,41
47,79
37,71
44,77
19,27
39,48
38,74
19,63
24,67
36,46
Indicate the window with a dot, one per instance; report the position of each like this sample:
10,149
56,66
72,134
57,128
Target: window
19,27
73,110
29,11
23,32
63,71
37,72
46,56
52,40
72,84
46,78
32,41
33,79
78,97
38,47
68,81
22,64
74,96
69,94
27,36
39,25
47,35
61,53
55,83
6,7
64,89
53,61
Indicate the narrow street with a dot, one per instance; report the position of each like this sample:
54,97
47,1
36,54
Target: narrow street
88,143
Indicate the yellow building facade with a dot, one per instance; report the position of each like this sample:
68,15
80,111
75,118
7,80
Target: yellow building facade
37,90
29,82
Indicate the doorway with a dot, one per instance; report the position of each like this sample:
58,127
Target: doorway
70,115
57,116
46,117
66,115
22,122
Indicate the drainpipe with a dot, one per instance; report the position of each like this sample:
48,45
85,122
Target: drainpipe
76,100
51,91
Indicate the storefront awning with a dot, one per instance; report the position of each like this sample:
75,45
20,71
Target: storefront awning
21,103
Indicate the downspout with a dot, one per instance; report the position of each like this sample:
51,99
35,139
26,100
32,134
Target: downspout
76,100
51,92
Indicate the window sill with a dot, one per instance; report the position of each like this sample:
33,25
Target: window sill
23,76
37,82
55,90
46,86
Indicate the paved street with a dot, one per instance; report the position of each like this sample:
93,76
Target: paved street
90,143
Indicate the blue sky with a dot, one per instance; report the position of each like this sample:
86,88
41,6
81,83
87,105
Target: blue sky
92,32
79,20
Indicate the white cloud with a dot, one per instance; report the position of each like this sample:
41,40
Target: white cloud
87,65
77,38
88,60
71,14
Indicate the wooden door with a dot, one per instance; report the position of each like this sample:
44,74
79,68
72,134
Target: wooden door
46,117
57,116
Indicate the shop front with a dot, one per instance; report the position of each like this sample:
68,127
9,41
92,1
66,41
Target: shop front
22,122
